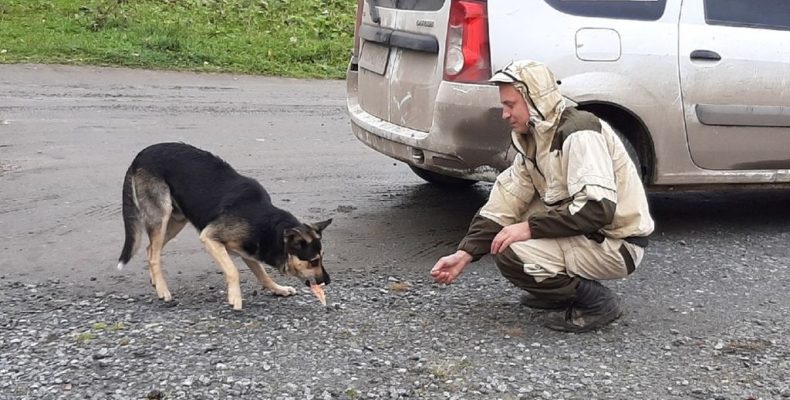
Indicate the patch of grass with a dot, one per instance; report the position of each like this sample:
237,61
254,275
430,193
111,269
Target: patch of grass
297,38
464,363
85,337
447,369
440,371
99,326
352,393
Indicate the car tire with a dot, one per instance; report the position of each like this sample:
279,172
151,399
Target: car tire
441,180
631,150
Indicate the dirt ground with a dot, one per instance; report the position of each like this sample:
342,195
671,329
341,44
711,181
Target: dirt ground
68,135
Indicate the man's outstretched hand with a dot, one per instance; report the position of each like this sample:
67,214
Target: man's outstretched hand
449,267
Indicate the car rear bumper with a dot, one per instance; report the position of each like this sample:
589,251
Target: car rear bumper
463,141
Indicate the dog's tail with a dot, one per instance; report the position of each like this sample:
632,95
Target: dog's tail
131,220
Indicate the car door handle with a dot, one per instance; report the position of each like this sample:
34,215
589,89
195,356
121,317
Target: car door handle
707,55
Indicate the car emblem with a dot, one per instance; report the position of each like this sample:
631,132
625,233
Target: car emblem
428,23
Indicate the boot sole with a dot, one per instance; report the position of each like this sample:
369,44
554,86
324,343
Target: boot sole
604,320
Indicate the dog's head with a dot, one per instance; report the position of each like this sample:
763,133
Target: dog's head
304,256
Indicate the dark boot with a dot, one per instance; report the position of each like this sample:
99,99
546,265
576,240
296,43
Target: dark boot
593,307
542,303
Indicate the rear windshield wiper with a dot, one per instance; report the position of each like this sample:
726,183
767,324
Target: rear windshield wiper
374,11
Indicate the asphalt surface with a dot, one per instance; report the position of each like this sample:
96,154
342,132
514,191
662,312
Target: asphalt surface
706,314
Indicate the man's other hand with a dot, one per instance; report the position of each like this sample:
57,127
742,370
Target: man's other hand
509,235
449,267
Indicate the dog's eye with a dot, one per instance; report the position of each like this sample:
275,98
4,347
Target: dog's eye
315,262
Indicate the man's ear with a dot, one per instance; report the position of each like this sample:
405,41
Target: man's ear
320,226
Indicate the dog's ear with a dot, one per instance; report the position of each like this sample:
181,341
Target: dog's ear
291,235
320,226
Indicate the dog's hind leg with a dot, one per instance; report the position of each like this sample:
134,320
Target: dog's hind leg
157,236
175,224
220,254
260,272
155,206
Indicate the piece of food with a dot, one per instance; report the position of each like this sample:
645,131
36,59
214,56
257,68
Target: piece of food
318,291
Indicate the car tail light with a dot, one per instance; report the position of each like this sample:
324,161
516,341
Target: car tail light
467,57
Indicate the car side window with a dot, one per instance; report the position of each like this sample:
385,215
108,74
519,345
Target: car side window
644,10
764,14
413,5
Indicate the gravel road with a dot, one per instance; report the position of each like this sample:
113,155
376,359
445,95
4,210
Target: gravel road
383,335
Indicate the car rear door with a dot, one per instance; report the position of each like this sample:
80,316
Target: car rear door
735,74
400,67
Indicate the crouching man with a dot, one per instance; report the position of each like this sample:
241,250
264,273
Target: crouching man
569,212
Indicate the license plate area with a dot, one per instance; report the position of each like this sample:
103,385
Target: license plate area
374,57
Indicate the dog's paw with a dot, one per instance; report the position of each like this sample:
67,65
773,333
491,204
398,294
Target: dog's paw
162,292
164,295
284,291
234,299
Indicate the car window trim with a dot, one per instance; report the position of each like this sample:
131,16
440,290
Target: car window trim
711,20
636,10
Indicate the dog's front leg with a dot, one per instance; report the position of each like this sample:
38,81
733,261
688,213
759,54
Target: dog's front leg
221,256
267,281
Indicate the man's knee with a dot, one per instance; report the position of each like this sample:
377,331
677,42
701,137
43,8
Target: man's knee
512,268
508,262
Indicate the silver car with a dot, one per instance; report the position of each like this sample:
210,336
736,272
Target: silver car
699,89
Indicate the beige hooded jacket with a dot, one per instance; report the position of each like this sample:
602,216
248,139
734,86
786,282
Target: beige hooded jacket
572,175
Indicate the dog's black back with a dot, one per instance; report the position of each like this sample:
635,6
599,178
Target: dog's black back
203,185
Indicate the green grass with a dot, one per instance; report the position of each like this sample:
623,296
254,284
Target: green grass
297,38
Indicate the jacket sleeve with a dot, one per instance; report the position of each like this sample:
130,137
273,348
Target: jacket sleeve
481,233
592,189
507,203
511,194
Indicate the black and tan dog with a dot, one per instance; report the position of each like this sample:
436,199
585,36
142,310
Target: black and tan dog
170,184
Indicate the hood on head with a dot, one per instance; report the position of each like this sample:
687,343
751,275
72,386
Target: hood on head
539,87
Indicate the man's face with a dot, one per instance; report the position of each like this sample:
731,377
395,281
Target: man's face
514,108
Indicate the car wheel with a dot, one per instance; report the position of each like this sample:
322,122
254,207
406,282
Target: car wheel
441,180
631,150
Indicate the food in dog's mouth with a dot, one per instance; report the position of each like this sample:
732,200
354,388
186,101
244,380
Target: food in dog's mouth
318,291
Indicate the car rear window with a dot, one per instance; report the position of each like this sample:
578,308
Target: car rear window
414,5
767,14
644,10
